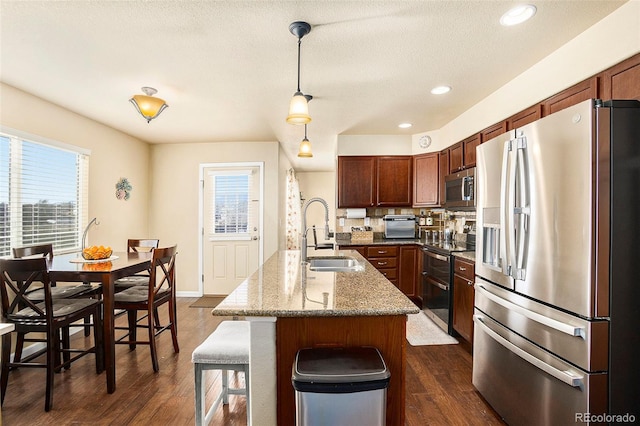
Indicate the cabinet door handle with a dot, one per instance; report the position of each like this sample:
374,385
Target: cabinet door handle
469,283
382,263
382,252
462,268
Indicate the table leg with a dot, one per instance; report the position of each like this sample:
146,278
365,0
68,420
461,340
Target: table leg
109,332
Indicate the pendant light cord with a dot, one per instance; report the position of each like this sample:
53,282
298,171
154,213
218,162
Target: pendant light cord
299,43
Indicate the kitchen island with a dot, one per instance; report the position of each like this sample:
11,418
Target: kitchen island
291,307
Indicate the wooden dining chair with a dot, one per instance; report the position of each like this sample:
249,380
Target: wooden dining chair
49,317
160,290
84,290
136,246
319,246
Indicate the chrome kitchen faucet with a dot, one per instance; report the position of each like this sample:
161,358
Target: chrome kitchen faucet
305,229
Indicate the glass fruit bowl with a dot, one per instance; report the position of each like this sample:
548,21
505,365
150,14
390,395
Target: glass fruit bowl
96,253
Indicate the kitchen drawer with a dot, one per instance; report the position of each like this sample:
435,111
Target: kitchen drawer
390,274
382,251
384,262
464,268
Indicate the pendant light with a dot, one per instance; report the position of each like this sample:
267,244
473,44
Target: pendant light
148,106
305,146
299,106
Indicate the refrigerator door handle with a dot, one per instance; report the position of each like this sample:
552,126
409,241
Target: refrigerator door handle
534,316
504,211
563,376
521,209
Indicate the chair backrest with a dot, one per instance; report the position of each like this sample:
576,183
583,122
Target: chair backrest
40,250
17,278
144,245
162,272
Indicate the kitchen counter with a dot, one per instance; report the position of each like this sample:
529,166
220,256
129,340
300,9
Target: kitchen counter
290,307
283,288
468,255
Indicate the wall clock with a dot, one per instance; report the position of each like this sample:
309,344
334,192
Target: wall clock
424,141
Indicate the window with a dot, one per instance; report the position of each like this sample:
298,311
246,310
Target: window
43,193
231,204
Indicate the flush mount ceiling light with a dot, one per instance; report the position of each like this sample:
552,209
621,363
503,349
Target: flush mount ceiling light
440,90
305,146
299,106
405,125
518,15
148,106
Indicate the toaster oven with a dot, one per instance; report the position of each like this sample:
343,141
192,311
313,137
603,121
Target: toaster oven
399,226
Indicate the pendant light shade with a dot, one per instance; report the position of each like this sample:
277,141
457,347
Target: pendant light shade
298,110
305,146
299,105
148,106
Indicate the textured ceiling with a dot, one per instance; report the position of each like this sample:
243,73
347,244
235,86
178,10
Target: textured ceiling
227,69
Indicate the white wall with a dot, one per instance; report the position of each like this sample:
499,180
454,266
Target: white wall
113,155
175,191
608,42
374,145
323,185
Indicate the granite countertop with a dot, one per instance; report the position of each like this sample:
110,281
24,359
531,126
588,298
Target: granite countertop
282,287
468,255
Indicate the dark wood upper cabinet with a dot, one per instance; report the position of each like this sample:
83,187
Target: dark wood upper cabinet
456,157
425,179
469,150
587,89
394,181
522,118
622,81
370,181
356,181
493,131
442,172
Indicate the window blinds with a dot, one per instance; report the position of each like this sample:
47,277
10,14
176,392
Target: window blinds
43,194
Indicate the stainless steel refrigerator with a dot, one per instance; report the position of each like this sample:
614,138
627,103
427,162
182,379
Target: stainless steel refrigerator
557,291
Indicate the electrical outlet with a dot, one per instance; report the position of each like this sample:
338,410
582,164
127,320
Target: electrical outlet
367,221
342,221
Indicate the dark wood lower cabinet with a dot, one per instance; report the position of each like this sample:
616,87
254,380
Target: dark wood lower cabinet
400,264
408,271
463,297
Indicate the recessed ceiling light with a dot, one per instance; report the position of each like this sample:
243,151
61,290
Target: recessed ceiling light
440,90
518,15
405,125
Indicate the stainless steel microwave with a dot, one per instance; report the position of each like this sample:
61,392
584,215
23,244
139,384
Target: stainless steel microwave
459,190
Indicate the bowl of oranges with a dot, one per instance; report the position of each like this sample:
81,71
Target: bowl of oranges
96,252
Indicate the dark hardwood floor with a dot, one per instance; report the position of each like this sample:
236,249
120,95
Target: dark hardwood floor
439,390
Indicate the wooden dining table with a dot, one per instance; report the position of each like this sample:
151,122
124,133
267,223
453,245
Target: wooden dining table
67,268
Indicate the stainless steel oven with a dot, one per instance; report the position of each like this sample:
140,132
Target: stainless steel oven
436,287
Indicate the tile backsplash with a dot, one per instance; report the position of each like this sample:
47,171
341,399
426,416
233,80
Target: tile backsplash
442,219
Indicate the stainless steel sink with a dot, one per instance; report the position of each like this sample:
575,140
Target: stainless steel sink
334,264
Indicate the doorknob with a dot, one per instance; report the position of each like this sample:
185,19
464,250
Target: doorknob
255,238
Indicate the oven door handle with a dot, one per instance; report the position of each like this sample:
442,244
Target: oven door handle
437,284
437,256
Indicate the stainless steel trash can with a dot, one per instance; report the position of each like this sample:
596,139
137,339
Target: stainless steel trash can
340,386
